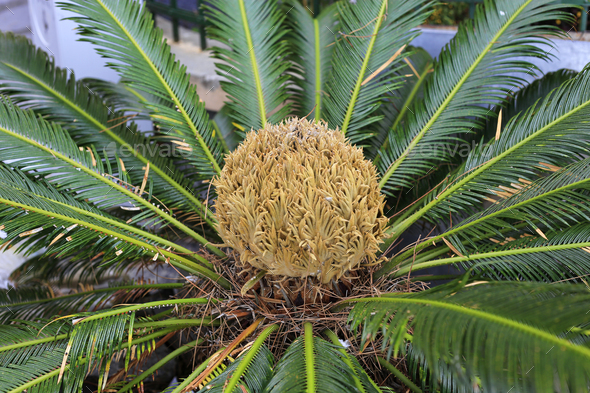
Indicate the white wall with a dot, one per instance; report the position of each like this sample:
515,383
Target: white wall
572,54
58,37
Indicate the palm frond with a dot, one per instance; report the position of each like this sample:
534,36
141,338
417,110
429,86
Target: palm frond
419,371
520,154
45,149
251,371
229,134
124,31
255,62
522,100
415,73
119,96
367,54
562,255
180,388
95,337
154,368
312,38
312,364
23,362
27,364
31,79
38,374
501,336
559,200
73,270
476,69
29,303
41,147
458,152
36,217
363,382
554,202
14,181
22,334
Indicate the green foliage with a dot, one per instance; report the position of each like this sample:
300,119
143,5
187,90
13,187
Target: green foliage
396,105
322,366
351,95
490,332
30,302
312,56
255,63
125,33
26,363
260,372
521,148
471,72
35,82
512,212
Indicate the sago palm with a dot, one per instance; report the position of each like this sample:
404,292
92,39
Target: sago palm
302,219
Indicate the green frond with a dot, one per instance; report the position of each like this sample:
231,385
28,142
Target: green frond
531,93
95,200
521,153
476,69
15,182
73,270
556,201
22,334
500,336
251,367
34,223
31,78
36,217
419,371
396,104
523,99
250,372
312,39
229,134
363,382
188,380
312,364
95,337
119,96
370,40
27,366
255,62
516,103
37,374
124,31
23,364
23,294
45,149
154,368
563,256
31,303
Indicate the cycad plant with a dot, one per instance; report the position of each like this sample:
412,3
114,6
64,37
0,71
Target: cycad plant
301,223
